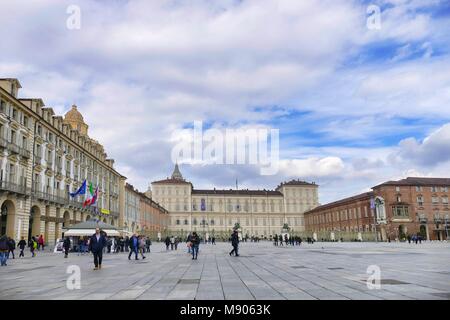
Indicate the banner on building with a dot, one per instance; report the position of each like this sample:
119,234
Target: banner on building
203,205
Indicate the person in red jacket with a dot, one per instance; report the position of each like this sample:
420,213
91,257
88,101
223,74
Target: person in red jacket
41,242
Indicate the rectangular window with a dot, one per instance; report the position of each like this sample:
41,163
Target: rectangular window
400,211
420,201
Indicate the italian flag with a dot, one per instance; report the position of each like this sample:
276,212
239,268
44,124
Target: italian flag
91,201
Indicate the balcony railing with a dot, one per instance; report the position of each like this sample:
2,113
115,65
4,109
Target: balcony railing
24,153
76,203
14,148
13,187
422,218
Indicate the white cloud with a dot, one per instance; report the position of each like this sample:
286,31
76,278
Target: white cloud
139,70
312,167
433,150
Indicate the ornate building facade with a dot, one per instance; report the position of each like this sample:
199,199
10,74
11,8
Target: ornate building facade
258,212
43,157
394,210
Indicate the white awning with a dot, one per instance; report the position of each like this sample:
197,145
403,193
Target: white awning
89,232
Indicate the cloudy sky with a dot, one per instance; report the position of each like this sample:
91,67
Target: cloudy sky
354,105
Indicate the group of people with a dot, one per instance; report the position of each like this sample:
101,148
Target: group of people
99,242
415,238
138,244
292,240
8,246
172,242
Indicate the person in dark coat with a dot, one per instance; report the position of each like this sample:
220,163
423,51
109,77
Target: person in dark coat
22,244
195,239
66,246
126,243
134,247
3,250
167,241
235,243
96,245
12,247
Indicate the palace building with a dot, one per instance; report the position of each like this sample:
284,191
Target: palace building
43,157
215,212
392,210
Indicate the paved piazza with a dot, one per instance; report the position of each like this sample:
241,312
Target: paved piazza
319,271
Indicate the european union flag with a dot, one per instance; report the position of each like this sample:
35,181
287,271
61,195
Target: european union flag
81,190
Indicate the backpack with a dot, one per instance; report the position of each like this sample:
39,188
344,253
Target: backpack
34,244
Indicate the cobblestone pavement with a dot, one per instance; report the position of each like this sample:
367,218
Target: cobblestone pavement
318,271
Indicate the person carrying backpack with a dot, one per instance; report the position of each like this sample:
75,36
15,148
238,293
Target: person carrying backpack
33,246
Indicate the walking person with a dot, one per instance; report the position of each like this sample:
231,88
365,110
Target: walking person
167,241
109,244
176,243
195,240
235,243
96,244
189,243
134,247
12,247
280,238
275,240
126,244
148,243
172,242
41,242
141,246
22,244
66,246
33,246
4,248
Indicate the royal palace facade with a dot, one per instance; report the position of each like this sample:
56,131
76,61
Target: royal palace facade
216,212
43,157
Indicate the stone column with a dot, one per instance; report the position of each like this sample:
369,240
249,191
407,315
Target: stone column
52,233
